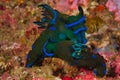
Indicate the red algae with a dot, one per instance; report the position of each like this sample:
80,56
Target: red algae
17,34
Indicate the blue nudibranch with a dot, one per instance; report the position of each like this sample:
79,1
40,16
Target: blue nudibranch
64,37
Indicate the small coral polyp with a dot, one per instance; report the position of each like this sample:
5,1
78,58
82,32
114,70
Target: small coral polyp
64,38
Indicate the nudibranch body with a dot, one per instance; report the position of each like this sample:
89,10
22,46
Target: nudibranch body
64,38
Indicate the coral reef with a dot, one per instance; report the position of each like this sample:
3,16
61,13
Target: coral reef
114,6
18,33
68,6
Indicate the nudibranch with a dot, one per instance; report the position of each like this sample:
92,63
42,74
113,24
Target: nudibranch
64,38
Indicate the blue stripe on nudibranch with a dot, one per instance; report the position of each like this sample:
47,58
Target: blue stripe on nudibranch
45,51
53,21
95,72
75,23
29,65
27,56
52,28
33,46
84,40
80,29
105,71
104,65
94,56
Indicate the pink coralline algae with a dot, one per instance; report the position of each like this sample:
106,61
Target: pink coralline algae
5,76
2,7
117,64
114,6
85,75
68,5
7,19
107,55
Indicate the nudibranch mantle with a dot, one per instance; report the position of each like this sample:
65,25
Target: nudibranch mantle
64,38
